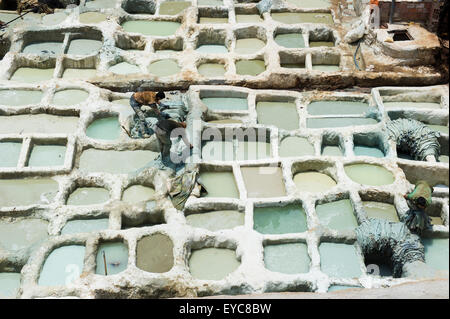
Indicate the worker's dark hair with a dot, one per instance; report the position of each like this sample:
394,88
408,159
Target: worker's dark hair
160,95
421,201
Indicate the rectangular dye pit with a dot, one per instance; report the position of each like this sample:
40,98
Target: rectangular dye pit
115,162
337,122
212,263
280,114
338,215
27,191
293,146
151,28
47,155
339,260
216,220
9,284
250,151
436,253
263,182
32,75
292,258
302,17
20,97
22,233
219,184
381,211
116,256
226,103
280,220
337,108
85,226
218,151
38,123
10,152
154,253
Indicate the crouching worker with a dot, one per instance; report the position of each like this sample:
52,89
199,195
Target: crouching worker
138,101
416,219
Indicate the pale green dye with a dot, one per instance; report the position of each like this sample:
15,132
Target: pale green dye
217,220
9,284
295,146
104,129
85,226
173,7
287,258
226,121
116,255
165,67
154,253
290,40
88,196
209,20
38,123
69,97
115,162
279,220
338,287
302,17
263,182
212,48
138,193
79,73
84,47
153,28
219,184
381,211
332,151
53,19
248,46
22,233
247,151
436,253
281,114
439,128
338,215
339,122
313,182
337,108
339,260
361,150
326,67
62,266
47,155
310,4
250,67
315,44
368,174
10,153
92,17
212,70
20,97
443,158
225,103
212,263
218,151
32,75
248,18
43,48
419,105
124,68
101,4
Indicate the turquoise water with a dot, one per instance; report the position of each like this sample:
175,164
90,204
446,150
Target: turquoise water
212,48
85,226
339,260
337,108
338,122
104,129
295,146
9,284
47,155
337,215
361,150
280,220
290,40
287,258
10,153
20,97
225,103
116,255
436,253
63,265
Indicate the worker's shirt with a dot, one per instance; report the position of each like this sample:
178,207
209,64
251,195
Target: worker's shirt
145,97
422,189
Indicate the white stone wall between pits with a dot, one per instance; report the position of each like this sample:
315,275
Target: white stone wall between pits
251,276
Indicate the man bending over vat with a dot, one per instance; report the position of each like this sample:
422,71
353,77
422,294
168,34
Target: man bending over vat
418,200
144,101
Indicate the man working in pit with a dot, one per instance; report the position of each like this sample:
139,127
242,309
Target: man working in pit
416,219
39,6
141,99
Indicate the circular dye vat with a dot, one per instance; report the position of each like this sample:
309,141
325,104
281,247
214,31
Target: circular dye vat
138,193
212,70
155,28
104,129
248,46
313,182
154,253
124,68
165,67
368,174
69,97
88,196
250,67
212,263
